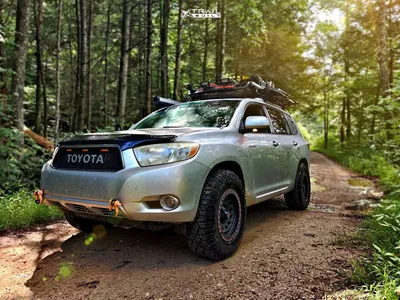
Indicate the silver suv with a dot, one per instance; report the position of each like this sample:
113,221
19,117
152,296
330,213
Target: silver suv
199,164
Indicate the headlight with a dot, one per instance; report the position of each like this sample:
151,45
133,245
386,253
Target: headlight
159,154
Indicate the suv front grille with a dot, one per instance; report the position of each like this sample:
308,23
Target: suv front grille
88,158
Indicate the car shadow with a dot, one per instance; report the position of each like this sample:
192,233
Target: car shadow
123,250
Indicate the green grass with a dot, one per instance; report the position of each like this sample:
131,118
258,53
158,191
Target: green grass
19,210
379,274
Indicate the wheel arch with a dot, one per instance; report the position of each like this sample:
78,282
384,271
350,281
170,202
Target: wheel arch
231,166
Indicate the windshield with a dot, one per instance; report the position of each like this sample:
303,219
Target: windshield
192,114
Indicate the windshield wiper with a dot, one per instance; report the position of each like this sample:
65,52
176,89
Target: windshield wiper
173,126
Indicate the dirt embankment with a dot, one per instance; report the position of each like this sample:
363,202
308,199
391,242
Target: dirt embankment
284,255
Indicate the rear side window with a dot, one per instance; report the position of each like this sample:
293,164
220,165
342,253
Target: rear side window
292,125
279,122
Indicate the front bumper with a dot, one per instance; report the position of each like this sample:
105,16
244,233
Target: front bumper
136,187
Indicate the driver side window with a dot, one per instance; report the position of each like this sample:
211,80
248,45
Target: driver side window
255,110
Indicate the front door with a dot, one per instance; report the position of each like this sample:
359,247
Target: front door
263,154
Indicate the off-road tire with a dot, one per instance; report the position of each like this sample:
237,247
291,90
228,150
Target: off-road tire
82,224
207,235
299,197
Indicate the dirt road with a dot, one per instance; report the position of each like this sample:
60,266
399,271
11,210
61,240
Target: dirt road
284,255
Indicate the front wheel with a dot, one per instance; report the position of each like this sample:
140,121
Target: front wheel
218,227
299,197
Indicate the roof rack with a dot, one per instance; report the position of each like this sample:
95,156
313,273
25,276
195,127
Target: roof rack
247,87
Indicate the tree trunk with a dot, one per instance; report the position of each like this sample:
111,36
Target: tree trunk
391,50
376,101
325,112
72,86
106,65
383,63
148,56
89,67
45,109
40,140
223,40
206,41
343,123
218,44
3,76
178,56
38,16
346,76
83,54
19,61
58,79
123,65
78,97
164,48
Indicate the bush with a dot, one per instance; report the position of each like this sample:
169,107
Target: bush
20,211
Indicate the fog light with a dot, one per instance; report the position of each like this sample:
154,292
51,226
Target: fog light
169,202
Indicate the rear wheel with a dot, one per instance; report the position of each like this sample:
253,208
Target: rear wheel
218,227
299,197
85,225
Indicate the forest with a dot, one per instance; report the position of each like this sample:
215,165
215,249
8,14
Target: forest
70,66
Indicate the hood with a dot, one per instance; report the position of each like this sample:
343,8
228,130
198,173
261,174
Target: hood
131,138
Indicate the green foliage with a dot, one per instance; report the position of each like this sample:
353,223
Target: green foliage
380,273
19,210
304,132
20,165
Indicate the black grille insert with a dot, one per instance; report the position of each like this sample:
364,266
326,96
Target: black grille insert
90,158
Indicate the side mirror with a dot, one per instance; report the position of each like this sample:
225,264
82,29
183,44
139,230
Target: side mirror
256,122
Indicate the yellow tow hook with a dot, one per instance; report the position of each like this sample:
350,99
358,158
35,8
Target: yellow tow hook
38,196
114,204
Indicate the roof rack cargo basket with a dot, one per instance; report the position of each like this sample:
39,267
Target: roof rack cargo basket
247,87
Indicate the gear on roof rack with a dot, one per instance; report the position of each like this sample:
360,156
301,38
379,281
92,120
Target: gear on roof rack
247,87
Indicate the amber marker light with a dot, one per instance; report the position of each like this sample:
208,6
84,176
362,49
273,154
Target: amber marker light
69,150
85,150
104,150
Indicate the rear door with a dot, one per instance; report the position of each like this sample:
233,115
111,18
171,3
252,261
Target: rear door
263,155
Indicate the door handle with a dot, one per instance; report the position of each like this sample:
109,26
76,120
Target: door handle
275,144
252,146
295,144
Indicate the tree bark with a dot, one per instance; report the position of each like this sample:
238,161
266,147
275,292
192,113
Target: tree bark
106,65
89,67
45,109
346,76
206,42
72,85
58,79
124,62
223,40
383,62
218,44
3,76
75,121
164,48
40,140
38,16
148,56
19,61
177,76
83,54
